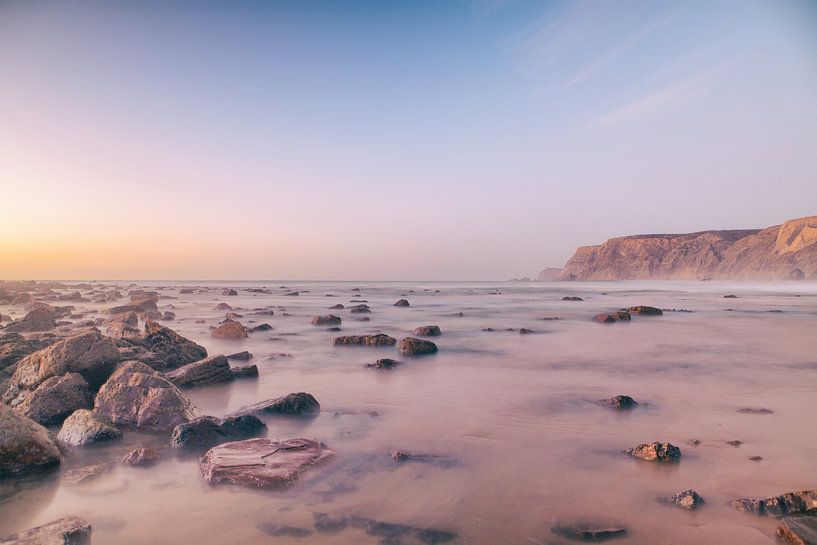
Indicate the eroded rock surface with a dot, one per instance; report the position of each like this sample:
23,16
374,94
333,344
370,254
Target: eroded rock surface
208,431
211,370
410,346
366,340
300,404
63,531
656,452
688,499
24,445
84,427
56,398
801,502
798,530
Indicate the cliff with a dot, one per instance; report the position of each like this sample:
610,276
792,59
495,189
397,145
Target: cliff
782,252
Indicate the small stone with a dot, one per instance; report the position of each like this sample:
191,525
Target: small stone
688,499
142,456
300,404
402,303
244,371
734,443
755,458
612,317
229,330
241,356
571,298
279,530
589,532
366,340
754,410
620,402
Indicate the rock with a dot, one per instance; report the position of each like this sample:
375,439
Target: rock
434,459
734,443
328,319
63,531
620,402
40,319
230,293
384,363
392,533
688,499
299,404
171,349
14,347
589,532
730,296
756,458
802,502
645,311
139,306
79,475
223,306
428,331
525,331
401,303
124,326
55,399
244,371
84,427
656,452
571,298
279,530
262,327
753,410
211,370
611,317
208,431
262,463
410,346
233,316
798,531
241,356
336,307
24,445
168,316
142,456
358,309
229,330
21,299
366,340
89,354
137,397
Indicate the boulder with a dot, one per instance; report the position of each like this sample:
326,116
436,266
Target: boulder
142,456
611,317
366,340
244,371
801,502
24,445
230,293
428,331
63,531
359,309
688,499
84,427
402,303
55,399
798,530
620,402
171,349
201,373
39,319
90,354
229,330
645,311
656,452
262,463
241,356
14,347
384,363
589,531
300,404
138,397
410,346
328,319
208,431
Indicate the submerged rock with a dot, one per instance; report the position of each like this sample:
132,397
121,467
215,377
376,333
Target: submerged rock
588,532
688,499
84,427
211,370
410,346
798,531
280,530
645,311
358,309
244,371
428,331
402,303
229,330
571,298
620,402
328,319
208,431
299,404
171,349
142,456
136,396
434,459
384,363
366,340
241,356
79,475
656,452
754,410
56,398
262,463
63,531
611,317
802,502
24,445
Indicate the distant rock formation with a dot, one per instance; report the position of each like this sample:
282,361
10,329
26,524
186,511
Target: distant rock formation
549,275
782,252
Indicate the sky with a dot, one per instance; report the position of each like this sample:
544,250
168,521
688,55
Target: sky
391,140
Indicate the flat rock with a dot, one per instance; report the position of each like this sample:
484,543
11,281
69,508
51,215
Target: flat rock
327,319
688,499
56,398
63,531
138,397
645,311
211,370
300,404
84,427
612,317
208,431
410,346
656,452
142,456
262,463
24,445
83,474
801,502
280,530
241,356
589,532
244,371
428,331
799,530
360,309
366,340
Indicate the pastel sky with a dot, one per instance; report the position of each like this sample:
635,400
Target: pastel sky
446,140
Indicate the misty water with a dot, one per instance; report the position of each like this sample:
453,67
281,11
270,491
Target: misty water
518,414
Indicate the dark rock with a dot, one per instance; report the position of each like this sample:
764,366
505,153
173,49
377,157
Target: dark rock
136,396
620,402
401,303
410,346
611,317
333,329
688,499
279,530
384,363
358,309
798,531
730,296
656,452
434,459
142,456
84,427
734,443
63,531
79,475
211,370
40,319
756,458
300,404
589,532
262,327
328,319
229,330
428,331
24,445
645,311
168,316
571,298
326,524
292,294
525,331
754,410
171,349
208,431
241,356
223,306
802,502
262,463
55,399
391,533
336,307
230,293
244,371
366,340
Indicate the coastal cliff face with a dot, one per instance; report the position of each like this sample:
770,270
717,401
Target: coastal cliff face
782,252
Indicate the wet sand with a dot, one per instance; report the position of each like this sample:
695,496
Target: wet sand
517,412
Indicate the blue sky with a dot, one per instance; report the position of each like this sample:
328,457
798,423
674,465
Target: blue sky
392,140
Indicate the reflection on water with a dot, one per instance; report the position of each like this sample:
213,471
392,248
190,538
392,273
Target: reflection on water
518,413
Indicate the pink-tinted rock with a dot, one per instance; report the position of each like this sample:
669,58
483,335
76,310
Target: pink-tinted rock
24,445
229,330
55,399
201,373
366,340
63,531
416,347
